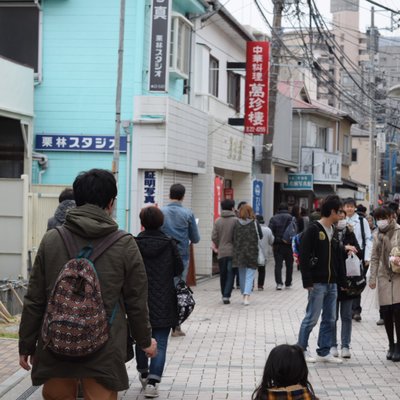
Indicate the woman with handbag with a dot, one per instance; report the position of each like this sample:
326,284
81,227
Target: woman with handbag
246,235
348,247
163,263
385,273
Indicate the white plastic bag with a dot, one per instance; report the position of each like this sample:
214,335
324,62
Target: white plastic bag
353,265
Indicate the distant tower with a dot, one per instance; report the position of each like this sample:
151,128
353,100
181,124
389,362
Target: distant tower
344,5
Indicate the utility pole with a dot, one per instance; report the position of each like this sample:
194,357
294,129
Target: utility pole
117,135
374,151
266,161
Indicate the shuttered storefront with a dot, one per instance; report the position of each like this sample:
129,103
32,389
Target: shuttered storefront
171,177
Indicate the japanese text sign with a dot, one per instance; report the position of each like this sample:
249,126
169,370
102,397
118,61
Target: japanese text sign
159,50
299,182
78,143
257,85
149,187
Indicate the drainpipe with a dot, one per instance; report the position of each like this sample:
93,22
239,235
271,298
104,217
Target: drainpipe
300,137
128,174
43,161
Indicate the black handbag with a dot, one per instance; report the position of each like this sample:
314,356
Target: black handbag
185,301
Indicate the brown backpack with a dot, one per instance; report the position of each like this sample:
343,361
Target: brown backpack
75,324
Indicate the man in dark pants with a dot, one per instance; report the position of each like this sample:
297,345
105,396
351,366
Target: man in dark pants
282,251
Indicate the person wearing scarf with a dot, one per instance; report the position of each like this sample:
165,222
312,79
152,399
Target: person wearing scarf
385,239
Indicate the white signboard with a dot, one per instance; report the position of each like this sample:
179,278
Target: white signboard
325,167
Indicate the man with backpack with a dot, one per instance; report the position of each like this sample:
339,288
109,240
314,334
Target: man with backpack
86,270
361,229
282,248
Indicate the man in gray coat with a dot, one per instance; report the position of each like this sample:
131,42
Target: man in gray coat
222,237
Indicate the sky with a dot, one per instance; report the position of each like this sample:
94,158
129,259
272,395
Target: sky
246,12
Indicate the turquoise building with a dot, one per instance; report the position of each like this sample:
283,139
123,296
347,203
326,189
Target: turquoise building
75,92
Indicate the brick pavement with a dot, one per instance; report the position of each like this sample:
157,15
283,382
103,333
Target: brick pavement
8,358
224,352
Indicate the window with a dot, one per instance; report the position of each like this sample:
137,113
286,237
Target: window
179,62
354,155
346,145
20,32
233,96
213,76
322,138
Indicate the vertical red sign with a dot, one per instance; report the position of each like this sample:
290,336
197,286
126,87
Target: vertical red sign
257,85
218,182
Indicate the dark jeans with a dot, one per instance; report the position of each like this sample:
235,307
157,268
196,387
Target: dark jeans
283,252
226,276
261,276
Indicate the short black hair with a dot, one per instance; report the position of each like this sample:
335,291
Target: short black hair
260,219
330,203
382,213
349,200
283,206
177,191
66,194
97,186
227,204
151,217
393,206
242,203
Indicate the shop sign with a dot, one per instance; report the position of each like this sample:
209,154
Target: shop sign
299,182
78,143
257,197
159,49
149,187
257,85
218,185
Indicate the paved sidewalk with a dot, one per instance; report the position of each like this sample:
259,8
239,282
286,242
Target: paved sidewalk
225,348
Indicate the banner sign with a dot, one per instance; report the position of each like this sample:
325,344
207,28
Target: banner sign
218,186
149,187
78,143
159,49
299,182
257,85
257,197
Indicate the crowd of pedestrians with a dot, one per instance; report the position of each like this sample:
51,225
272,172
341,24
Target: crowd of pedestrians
338,248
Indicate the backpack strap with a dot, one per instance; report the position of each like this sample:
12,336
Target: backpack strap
73,248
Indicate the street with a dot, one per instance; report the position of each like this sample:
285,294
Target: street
225,348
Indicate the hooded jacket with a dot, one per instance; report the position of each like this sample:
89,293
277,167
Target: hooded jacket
123,283
59,215
245,243
163,262
278,223
222,233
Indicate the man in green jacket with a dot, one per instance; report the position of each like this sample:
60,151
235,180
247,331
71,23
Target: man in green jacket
123,285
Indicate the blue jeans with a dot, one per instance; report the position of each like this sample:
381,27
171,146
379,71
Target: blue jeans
322,298
226,276
185,261
246,280
157,363
345,309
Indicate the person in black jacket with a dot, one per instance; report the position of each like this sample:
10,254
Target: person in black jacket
163,262
347,246
319,277
282,251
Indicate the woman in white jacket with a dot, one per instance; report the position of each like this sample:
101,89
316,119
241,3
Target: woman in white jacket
265,246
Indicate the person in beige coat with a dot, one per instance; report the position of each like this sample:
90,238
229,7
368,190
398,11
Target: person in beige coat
385,239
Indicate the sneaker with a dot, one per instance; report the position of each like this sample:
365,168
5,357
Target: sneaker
329,359
226,300
346,353
246,301
380,322
143,381
261,288
288,286
279,286
309,358
178,332
357,317
334,351
151,391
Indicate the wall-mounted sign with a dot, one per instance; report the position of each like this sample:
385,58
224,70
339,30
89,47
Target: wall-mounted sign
78,143
149,187
257,197
218,185
159,47
257,85
299,182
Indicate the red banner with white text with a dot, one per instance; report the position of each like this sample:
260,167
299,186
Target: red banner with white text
257,86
